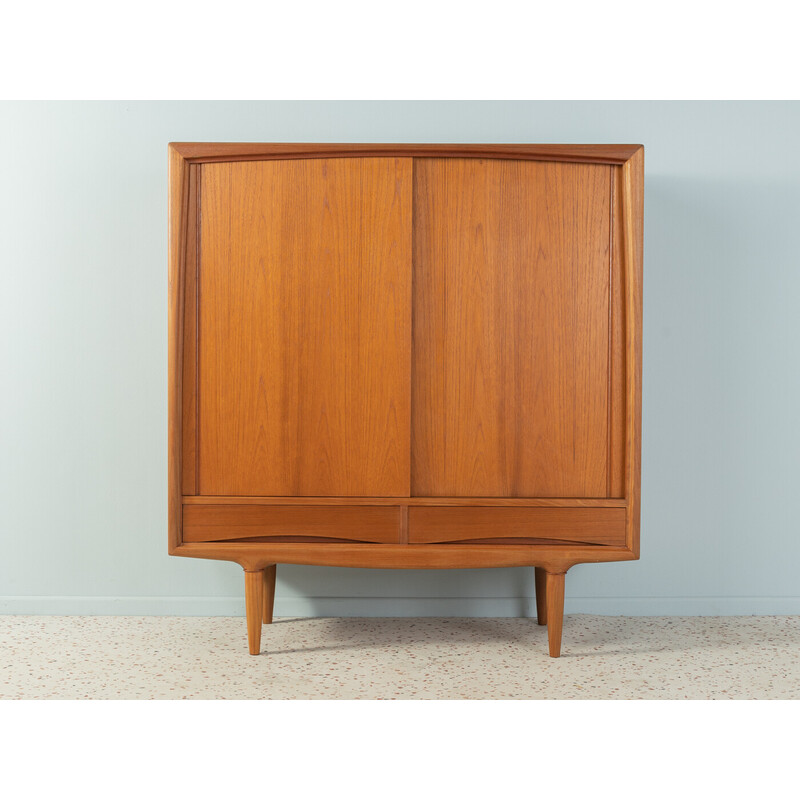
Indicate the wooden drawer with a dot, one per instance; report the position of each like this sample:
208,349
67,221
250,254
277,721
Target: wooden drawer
211,523
428,525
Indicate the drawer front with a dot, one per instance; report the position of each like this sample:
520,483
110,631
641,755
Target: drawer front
428,525
213,523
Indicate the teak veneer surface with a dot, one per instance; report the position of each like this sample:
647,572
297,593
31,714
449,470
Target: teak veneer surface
219,522
511,328
586,525
305,327
415,356
417,525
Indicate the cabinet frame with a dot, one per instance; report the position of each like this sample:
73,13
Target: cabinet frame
185,160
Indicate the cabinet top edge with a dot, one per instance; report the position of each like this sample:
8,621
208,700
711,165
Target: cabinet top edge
207,152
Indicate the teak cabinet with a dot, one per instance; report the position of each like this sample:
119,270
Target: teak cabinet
405,356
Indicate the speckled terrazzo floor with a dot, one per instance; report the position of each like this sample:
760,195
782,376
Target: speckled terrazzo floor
422,658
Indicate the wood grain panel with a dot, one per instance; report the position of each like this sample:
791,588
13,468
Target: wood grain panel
305,303
355,523
585,525
511,328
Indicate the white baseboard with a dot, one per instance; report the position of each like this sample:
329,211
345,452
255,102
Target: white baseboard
399,606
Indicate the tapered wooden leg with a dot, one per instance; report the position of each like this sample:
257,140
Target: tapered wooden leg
541,603
254,606
269,593
555,611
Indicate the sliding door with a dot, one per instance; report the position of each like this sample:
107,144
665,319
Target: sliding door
304,327
512,329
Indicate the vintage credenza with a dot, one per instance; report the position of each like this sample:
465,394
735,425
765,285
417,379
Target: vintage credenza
405,356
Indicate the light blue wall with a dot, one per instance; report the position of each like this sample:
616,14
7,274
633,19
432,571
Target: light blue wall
83,405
